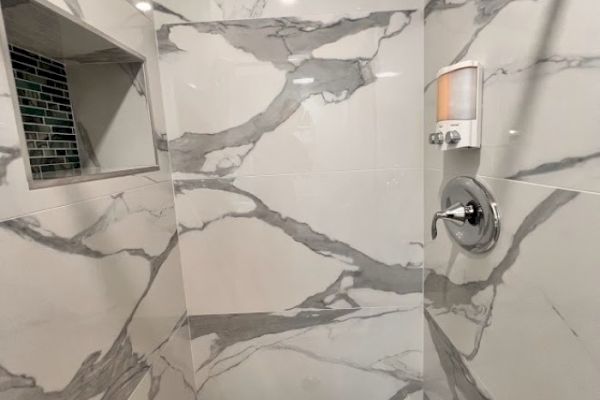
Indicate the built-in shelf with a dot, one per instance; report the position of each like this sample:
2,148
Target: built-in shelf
81,96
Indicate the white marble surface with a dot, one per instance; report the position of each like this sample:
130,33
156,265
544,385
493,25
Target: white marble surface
523,318
541,88
91,299
257,153
295,147
520,322
271,243
242,103
318,355
266,159
217,10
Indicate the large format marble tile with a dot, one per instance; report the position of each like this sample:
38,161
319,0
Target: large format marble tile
217,10
521,320
289,95
91,300
541,87
271,243
373,353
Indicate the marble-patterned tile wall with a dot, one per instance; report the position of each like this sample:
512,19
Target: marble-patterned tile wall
294,134
91,300
520,322
91,293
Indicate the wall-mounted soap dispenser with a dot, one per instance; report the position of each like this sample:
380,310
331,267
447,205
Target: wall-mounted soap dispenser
459,95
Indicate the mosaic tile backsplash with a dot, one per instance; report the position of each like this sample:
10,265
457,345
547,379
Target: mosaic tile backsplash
47,114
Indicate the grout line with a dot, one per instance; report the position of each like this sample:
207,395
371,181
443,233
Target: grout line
202,176
90,199
541,185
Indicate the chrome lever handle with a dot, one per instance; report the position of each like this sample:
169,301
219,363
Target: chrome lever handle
458,213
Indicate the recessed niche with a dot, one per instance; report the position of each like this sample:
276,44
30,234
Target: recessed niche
82,97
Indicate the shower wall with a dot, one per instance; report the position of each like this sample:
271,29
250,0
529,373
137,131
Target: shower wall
91,299
522,321
295,141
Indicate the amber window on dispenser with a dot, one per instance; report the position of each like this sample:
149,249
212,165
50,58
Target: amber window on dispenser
457,95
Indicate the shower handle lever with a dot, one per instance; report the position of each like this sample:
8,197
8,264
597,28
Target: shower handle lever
457,213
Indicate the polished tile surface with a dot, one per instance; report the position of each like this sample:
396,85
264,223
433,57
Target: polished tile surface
523,318
91,294
290,95
318,355
217,10
520,322
271,243
296,153
541,91
103,308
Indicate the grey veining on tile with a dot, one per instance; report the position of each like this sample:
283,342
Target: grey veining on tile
554,166
293,286
546,65
239,341
486,12
542,74
8,155
287,44
460,379
525,304
75,8
443,294
369,273
247,8
436,5
115,372
160,8
217,10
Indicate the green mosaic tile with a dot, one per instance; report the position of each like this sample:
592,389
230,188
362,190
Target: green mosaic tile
17,66
21,84
34,103
33,111
60,122
46,114
63,137
36,153
59,145
62,129
51,90
36,128
28,93
32,120
57,114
